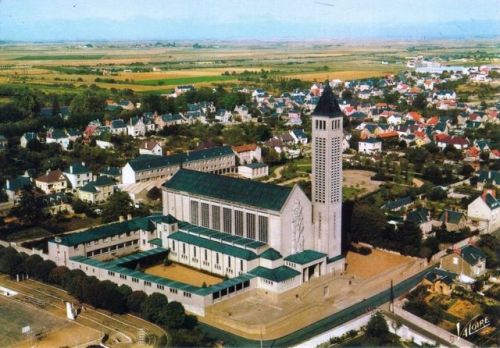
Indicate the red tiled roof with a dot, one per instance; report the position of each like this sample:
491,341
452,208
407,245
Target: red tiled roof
245,148
386,135
52,176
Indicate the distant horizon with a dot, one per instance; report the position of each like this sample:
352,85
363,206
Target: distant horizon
227,20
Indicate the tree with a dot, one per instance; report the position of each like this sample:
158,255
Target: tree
118,204
174,315
135,300
367,223
11,262
153,307
57,274
377,328
29,209
154,194
31,263
43,269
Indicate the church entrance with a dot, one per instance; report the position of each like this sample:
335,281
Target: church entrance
312,271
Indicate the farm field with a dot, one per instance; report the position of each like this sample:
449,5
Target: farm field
151,68
183,274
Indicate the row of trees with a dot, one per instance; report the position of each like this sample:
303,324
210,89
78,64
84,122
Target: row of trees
107,295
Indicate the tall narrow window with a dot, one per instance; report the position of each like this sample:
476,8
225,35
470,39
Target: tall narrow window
194,212
226,212
216,217
250,225
238,222
205,220
263,229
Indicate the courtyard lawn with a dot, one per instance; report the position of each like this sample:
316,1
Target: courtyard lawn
184,274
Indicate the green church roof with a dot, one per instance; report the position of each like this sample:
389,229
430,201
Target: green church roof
113,229
213,245
279,274
305,256
247,192
271,254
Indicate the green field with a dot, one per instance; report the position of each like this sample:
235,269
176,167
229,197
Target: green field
184,80
62,57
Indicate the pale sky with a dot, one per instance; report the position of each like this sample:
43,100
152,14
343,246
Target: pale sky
50,20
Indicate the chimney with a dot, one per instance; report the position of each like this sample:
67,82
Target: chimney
7,184
129,216
71,168
121,219
488,191
47,172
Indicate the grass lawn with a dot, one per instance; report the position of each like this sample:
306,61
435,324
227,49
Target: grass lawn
350,193
62,57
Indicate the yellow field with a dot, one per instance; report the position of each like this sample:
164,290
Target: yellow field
183,274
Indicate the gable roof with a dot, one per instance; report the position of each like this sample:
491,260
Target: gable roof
279,274
305,256
471,254
77,168
113,229
397,203
52,176
147,162
451,216
17,183
327,105
271,254
99,182
418,216
248,192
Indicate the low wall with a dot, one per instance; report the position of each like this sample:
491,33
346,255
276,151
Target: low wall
22,249
454,340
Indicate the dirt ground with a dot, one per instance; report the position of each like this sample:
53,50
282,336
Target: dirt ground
257,314
354,177
362,265
47,329
183,274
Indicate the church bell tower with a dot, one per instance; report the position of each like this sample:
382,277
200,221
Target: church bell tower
327,137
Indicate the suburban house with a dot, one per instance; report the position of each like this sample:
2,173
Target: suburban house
151,147
55,203
118,127
146,168
78,175
459,143
488,177
398,204
253,170
248,153
113,172
370,146
14,187
52,182
468,260
168,120
136,127
299,136
453,220
97,191
422,218
58,136
27,137
485,210
439,282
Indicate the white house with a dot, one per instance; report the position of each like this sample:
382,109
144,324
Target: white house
136,127
485,209
253,170
78,175
151,147
248,153
369,146
58,136
27,137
